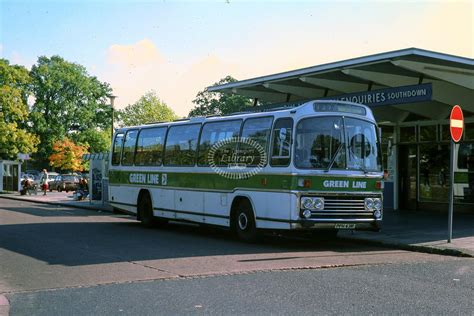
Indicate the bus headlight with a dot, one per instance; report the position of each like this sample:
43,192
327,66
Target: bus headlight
369,204
377,214
318,204
306,213
312,203
377,204
306,203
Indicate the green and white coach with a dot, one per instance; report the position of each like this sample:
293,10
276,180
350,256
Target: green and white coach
313,167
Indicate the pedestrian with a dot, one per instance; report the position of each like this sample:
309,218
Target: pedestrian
44,181
442,177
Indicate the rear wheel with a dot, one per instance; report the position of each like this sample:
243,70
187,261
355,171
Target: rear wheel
244,222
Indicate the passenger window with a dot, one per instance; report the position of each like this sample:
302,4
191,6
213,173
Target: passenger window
181,144
213,133
150,147
128,151
255,137
117,149
281,142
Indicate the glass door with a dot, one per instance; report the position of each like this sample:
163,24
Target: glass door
434,172
407,176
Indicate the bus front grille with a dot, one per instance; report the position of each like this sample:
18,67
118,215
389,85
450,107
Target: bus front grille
337,204
343,207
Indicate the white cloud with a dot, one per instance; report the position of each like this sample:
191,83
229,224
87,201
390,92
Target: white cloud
134,69
139,54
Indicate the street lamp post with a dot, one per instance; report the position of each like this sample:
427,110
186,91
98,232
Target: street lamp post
112,99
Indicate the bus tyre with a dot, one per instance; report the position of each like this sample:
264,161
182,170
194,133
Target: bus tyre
145,211
244,223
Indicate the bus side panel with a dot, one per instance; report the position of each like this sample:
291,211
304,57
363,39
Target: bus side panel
189,205
163,203
217,208
124,197
294,207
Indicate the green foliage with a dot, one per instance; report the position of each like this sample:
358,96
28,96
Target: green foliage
68,102
148,109
14,90
217,103
97,140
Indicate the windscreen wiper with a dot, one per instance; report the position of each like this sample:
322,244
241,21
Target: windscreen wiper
334,157
361,167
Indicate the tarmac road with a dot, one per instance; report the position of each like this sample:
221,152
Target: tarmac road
56,260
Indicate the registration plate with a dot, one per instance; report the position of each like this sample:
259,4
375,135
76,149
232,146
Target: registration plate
345,226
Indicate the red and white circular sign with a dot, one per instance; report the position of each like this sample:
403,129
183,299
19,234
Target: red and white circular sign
456,123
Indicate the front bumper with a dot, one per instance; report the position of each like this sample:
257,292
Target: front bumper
352,224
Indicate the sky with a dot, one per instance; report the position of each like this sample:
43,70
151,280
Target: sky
178,48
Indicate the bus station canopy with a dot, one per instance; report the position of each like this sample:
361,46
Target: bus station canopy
404,85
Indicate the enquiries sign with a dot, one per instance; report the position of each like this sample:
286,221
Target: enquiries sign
388,96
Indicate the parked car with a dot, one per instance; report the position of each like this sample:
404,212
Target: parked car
35,173
32,177
51,177
65,182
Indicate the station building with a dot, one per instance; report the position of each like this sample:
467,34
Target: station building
411,93
10,175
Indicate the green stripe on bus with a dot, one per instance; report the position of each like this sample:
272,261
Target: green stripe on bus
214,181
461,177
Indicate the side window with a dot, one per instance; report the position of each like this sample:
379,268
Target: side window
181,145
150,146
255,130
216,132
281,142
466,156
117,149
128,151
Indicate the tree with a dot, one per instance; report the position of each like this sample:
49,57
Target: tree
148,109
97,140
67,155
14,91
68,102
218,103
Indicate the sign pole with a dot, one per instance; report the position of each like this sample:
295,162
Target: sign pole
451,193
456,128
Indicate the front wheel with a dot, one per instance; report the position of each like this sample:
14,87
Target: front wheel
145,211
244,223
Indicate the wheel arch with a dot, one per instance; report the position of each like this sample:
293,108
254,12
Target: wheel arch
235,202
142,194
